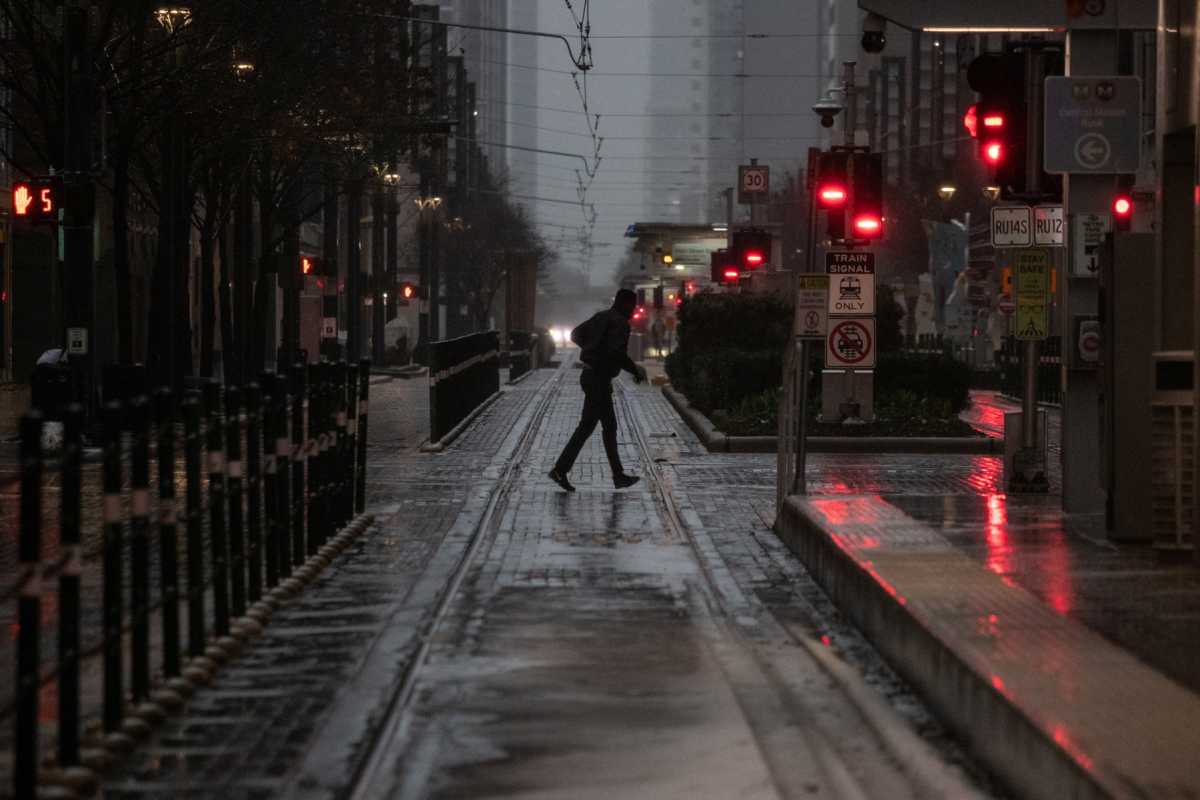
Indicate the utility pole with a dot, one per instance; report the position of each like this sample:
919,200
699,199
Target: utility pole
79,280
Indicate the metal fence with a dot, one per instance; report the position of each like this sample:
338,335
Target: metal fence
523,348
1049,373
285,469
463,373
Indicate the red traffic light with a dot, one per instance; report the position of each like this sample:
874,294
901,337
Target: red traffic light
832,195
306,265
730,275
408,291
971,122
993,121
993,152
1122,206
754,259
868,226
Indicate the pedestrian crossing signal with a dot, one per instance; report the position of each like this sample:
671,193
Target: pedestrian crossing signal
36,200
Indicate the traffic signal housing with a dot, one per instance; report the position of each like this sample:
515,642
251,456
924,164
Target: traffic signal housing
313,265
999,120
658,297
751,249
866,196
833,191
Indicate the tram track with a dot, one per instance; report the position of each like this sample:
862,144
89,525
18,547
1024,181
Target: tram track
809,722
372,767
813,728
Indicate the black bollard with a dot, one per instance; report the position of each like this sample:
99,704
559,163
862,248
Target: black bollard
68,587
349,418
316,395
283,483
360,472
217,532
168,537
270,494
299,392
114,545
254,564
29,611
237,534
195,524
139,536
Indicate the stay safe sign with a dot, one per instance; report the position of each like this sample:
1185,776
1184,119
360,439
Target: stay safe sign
851,344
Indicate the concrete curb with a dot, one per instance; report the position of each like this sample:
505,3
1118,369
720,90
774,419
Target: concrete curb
1027,757
719,442
457,430
414,371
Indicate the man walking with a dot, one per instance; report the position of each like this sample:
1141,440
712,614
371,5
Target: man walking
604,342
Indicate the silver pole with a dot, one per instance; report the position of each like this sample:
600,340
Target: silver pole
848,91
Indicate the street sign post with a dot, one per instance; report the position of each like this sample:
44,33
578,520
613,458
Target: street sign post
811,300
1012,226
1092,124
1032,267
851,344
754,183
1087,235
1049,226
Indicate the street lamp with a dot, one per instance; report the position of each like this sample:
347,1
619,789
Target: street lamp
991,192
173,17
946,191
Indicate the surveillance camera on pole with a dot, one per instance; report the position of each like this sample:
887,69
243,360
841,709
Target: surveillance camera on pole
874,38
827,108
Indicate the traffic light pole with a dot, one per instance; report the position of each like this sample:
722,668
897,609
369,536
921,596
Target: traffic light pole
1029,469
800,479
80,303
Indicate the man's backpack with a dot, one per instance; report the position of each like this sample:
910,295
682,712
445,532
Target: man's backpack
588,336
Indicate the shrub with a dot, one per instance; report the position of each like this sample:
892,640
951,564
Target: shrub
722,378
712,321
937,377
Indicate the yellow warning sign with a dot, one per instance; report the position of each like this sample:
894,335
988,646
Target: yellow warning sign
1033,318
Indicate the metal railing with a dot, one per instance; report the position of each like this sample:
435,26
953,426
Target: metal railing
523,348
463,373
284,461
1049,372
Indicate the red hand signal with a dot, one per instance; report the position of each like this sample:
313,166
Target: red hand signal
22,200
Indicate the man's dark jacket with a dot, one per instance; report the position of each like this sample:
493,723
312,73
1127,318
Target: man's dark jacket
607,347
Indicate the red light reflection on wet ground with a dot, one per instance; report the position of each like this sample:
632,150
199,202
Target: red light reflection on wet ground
1063,739
999,549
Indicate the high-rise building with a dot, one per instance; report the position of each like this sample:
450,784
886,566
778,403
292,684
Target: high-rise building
485,55
740,86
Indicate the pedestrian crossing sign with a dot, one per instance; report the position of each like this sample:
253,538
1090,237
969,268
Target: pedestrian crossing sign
1033,319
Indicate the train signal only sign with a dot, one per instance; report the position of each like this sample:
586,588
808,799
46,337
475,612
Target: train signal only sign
811,299
852,295
845,262
851,344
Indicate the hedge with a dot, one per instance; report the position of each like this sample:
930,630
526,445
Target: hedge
927,376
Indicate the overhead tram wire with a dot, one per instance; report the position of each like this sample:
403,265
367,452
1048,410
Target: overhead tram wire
731,114
655,74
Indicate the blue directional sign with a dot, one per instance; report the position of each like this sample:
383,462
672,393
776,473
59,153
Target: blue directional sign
1093,124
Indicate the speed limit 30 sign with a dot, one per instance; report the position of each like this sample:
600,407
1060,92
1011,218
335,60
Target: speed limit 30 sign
851,344
754,183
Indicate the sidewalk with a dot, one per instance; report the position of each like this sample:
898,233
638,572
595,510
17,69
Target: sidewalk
1072,663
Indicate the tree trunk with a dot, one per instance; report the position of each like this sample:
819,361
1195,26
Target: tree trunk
208,299
230,366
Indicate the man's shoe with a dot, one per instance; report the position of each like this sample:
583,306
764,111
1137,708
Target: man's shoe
625,481
561,480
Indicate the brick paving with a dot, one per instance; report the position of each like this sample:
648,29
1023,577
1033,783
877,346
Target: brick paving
245,737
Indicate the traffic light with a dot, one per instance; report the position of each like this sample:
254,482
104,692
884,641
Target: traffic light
866,196
37,199
833,180
833,191
751,249
1122,211
999,121
718,261
312,265
407,292
658,297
